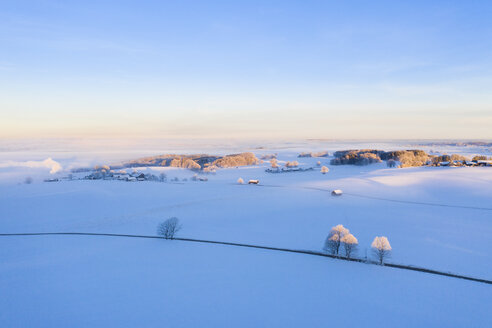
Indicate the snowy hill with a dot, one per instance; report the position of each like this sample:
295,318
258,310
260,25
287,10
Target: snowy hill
434,217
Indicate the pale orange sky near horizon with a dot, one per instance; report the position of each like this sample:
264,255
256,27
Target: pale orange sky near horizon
254,124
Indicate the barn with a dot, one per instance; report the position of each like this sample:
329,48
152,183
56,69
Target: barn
337,192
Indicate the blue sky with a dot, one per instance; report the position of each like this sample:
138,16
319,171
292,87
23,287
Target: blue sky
308,69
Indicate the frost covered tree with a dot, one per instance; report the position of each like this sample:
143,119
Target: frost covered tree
274,163
240,181
236,160
318,163
292,164
162,177
479,158
349,244
381,248
169,228
324,170
334,239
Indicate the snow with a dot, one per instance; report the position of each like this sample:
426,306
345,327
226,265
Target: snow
100,282
281,211
108,282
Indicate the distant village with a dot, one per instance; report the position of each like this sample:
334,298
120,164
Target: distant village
104,173
135,176
465,163
287,169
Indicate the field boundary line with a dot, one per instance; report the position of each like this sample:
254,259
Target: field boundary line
280,249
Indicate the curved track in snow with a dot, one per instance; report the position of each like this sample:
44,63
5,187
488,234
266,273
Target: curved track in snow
299,251
385,199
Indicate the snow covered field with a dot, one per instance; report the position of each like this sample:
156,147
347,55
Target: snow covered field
94,281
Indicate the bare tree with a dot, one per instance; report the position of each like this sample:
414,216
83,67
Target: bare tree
349,244
391,163
169,228
381,248
162,177
240,181
333,241
324,170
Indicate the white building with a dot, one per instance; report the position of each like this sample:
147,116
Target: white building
337,192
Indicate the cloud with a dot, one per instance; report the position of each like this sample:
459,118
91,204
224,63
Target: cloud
48,163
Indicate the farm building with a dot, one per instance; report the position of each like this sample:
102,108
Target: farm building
484,163
337,192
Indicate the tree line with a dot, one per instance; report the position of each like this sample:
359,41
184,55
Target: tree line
340,240
400,158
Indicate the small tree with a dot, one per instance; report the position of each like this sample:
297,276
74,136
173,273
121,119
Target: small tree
318,163
391,163
332,242
349,244
381,248
163,177
28,180
169,228
240,181
292,164
274,163
324,170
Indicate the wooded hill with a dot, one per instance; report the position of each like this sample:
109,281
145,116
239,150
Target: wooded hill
193,162
406,158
